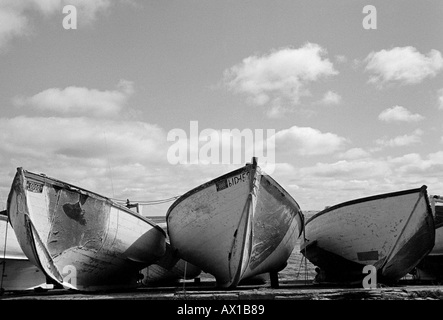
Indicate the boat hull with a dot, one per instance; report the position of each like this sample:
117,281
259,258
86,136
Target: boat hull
236,226
392,232
17,272
80,239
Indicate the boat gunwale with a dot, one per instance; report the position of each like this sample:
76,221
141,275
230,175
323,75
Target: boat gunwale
204,186
423,188
234,172
68,186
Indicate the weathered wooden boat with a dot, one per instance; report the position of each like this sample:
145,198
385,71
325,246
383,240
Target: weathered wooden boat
78,238
391,232
17,272
431,266
236,226
169,269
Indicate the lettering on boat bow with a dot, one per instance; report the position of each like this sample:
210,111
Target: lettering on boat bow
229,182
34,186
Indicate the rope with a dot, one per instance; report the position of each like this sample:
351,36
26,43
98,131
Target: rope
303,258
299,266
147,202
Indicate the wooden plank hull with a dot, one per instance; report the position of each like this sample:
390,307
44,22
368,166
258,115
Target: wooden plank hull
236,226
78,238
17,272
392,232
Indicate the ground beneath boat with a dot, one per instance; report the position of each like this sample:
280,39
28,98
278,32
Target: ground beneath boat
295,283
206,290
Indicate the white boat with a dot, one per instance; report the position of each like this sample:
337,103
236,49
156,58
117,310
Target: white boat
78,238
431,267
17,272
236,226
391,232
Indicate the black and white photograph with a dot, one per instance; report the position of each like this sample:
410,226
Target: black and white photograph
221,158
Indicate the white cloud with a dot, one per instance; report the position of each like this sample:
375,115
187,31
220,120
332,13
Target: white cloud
275,112
15,15
12,24
401,141
87,9
440,99
414,165
325,183
403,64
399,113
354,153
78,101
331,98
281,76
307,141
44,138
341,58
360,169
112,157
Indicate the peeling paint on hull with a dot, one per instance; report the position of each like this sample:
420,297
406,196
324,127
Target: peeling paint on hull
342,239
236,226
78,238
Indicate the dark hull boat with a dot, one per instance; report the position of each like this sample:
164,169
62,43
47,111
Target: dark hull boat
237,226
79,239
391,232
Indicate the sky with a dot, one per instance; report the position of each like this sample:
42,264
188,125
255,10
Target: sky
139,100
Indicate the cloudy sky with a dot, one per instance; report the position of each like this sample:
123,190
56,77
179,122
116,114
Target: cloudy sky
353,97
